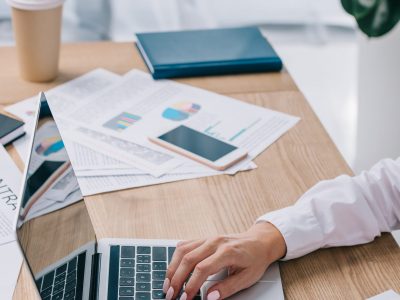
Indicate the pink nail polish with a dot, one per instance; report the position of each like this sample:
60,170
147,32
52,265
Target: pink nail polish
170,293
166,285
214,295
183,297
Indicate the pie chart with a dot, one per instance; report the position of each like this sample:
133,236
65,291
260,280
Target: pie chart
181,111
49,146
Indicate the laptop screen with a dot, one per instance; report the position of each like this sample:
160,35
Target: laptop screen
53,228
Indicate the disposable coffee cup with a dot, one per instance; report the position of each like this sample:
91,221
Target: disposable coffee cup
37,32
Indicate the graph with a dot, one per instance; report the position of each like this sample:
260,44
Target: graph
181,111
122,121
50,145
227,131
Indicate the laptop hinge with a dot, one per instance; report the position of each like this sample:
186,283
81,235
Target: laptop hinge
95,277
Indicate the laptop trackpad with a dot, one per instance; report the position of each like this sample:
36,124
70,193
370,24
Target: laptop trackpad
260,291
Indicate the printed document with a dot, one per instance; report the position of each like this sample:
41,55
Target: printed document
124,115
10,262
67,94
10,180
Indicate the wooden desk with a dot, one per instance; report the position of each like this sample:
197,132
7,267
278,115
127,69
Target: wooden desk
227,204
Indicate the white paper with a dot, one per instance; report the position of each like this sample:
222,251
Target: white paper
388,295
10,262
123,117
71,94
26,111
10,180
100,184
88,162
68,95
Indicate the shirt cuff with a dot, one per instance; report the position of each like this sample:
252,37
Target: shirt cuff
299,228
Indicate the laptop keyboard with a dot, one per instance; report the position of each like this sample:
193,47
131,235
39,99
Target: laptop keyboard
138,272
65,282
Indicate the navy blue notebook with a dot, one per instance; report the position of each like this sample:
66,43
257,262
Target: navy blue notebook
207,52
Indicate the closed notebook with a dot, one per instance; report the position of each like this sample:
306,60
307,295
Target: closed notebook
207,52
10,129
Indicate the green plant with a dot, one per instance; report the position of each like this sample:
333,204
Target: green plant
374,17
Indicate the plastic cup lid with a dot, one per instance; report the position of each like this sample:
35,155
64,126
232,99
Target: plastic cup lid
35,4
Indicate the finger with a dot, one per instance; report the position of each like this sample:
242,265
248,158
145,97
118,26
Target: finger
209,266
189,261
232,284
181,250
186,242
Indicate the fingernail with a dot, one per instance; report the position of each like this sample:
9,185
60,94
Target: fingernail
170,293
214,295
166,285
183,297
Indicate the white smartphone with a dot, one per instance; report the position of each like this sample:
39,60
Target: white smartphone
200,147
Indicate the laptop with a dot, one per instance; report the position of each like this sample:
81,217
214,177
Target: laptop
59,242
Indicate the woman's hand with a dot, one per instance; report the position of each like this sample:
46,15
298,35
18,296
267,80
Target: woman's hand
246,256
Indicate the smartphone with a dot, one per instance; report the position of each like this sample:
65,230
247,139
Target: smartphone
200,147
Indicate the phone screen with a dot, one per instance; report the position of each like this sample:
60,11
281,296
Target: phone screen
197,143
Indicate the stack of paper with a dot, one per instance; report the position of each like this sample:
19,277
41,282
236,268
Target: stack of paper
106,119
10,255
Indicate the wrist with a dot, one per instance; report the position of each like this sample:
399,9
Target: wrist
271,239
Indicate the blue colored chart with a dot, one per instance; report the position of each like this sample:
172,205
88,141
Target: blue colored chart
181,111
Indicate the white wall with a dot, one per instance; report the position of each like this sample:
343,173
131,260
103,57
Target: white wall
378,133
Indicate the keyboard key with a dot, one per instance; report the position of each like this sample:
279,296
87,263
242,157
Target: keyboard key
158,294
126,281
39,283
159,254
157,285
143,250
143,287
143,259
69,295
159,275
126,291
57,296
127,272
70,285
159,266
143,277
171,251
127,252
46,292
72,264
71,276
127,262
58,287
126,298
143,267
142,296
59,279
48,280
61,269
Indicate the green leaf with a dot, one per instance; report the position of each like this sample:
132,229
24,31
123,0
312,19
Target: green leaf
374,17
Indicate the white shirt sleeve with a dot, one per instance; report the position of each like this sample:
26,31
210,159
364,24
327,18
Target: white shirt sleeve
342,212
